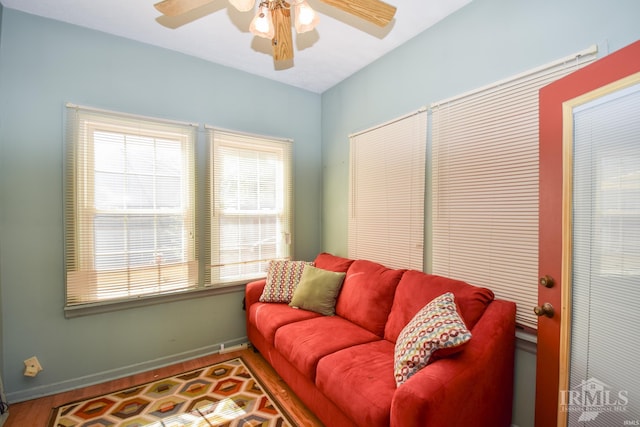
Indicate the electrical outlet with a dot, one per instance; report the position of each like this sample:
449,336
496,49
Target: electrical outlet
32,367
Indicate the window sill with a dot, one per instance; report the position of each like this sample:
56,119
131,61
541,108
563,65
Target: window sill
105,307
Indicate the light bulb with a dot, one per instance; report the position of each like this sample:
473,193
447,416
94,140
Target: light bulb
243,5
306,17
262,25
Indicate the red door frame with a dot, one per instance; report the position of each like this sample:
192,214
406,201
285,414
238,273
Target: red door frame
609,69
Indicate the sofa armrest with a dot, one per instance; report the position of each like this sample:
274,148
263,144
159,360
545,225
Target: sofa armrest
474,387
252,293
253,290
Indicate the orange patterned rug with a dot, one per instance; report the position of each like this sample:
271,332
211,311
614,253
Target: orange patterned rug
226,394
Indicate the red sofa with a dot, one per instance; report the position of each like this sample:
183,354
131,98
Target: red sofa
342,366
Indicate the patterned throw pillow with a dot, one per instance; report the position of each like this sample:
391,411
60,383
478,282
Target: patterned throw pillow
282,278
437,326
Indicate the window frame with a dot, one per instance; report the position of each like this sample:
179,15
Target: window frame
200,225
283,149
81,209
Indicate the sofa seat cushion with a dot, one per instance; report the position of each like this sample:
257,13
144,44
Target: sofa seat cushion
367,294
304,343
268,317
417,289
360,381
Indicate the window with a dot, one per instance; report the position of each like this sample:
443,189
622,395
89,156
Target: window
386,192
485,185
130,207
617,197
250,209
606,210
133,229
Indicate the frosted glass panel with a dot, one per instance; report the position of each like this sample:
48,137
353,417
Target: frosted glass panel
604,377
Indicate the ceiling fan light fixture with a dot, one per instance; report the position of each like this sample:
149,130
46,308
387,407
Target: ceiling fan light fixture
273,18
243,5
262,24
306,18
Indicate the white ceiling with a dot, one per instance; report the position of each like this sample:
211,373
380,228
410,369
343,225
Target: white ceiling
339,46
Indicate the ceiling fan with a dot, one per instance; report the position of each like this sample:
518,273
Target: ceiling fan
273,17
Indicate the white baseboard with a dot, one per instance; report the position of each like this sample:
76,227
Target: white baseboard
101,377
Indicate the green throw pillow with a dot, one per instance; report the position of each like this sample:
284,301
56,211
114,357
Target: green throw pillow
317,290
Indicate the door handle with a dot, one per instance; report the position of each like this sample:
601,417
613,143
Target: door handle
545,310
546,281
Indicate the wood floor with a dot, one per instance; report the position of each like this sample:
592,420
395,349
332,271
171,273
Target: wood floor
35,413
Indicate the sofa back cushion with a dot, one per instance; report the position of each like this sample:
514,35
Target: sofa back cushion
416,289
367,295
331,262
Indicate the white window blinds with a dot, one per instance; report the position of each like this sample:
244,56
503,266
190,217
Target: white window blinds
485,185
606,249
250,186
386,193
129,207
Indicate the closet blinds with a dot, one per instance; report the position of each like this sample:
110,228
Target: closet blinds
386,193
485,185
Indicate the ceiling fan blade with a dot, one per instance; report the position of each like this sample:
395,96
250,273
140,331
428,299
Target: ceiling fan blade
178,7
375,11
282,42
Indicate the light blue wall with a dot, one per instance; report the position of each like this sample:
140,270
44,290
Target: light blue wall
44,64
486,41
483,42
